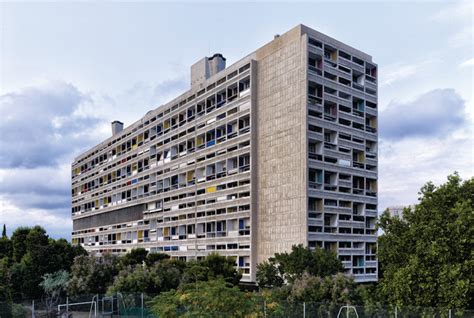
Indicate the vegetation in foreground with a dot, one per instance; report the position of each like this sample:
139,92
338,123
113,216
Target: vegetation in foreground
425,259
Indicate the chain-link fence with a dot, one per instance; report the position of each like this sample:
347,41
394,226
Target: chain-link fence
139,306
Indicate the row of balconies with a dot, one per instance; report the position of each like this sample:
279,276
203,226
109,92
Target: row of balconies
200,140
334,56
151,178
241,164
226,94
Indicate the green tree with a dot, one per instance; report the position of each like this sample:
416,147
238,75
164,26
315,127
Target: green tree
211,267
335,289
161,276
18,239
54,285
426,257
214,298
268,274
136,256
91,275
153,258
33,264
29,255
290,266
5,280
4,231
5,247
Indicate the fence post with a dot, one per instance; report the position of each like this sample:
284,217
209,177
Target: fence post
265,308
449,312
304,309
142,303
67,305
395,311
33,309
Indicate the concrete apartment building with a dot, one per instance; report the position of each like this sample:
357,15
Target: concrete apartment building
278,149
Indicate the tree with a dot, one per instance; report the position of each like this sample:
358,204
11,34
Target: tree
336,289
29,255
290,266
211,267
4,231
18,239
91,275
214,298
5,248
426,257
34,255
136,256
53,285
162,276
34,263
5,281
268,274
153,258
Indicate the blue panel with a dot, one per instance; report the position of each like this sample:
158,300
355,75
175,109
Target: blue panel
211,143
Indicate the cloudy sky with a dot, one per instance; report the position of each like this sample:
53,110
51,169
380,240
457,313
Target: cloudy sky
68,70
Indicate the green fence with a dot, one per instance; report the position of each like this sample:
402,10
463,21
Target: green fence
138,306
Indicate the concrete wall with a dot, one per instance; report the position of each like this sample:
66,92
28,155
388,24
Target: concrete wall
281,116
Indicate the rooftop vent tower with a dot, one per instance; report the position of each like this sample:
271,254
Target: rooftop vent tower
117,126
206,68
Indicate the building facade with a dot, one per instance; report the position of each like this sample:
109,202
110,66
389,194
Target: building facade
278,149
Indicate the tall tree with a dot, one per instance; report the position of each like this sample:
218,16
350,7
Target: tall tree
162,276
426,257
34,255
214,298
90,275
4,231
290,266
18,239
136,256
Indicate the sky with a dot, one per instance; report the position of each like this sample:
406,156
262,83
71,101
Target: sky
68,69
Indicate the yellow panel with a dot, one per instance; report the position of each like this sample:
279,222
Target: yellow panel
119,236
140,138
211,189
140,234
200,140
190,175
166,231
134,147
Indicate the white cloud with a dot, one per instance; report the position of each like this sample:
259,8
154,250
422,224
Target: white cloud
422,140
406,165
43,128
391,73
459,14
467,63
457,10
462,37
57,224
445,107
